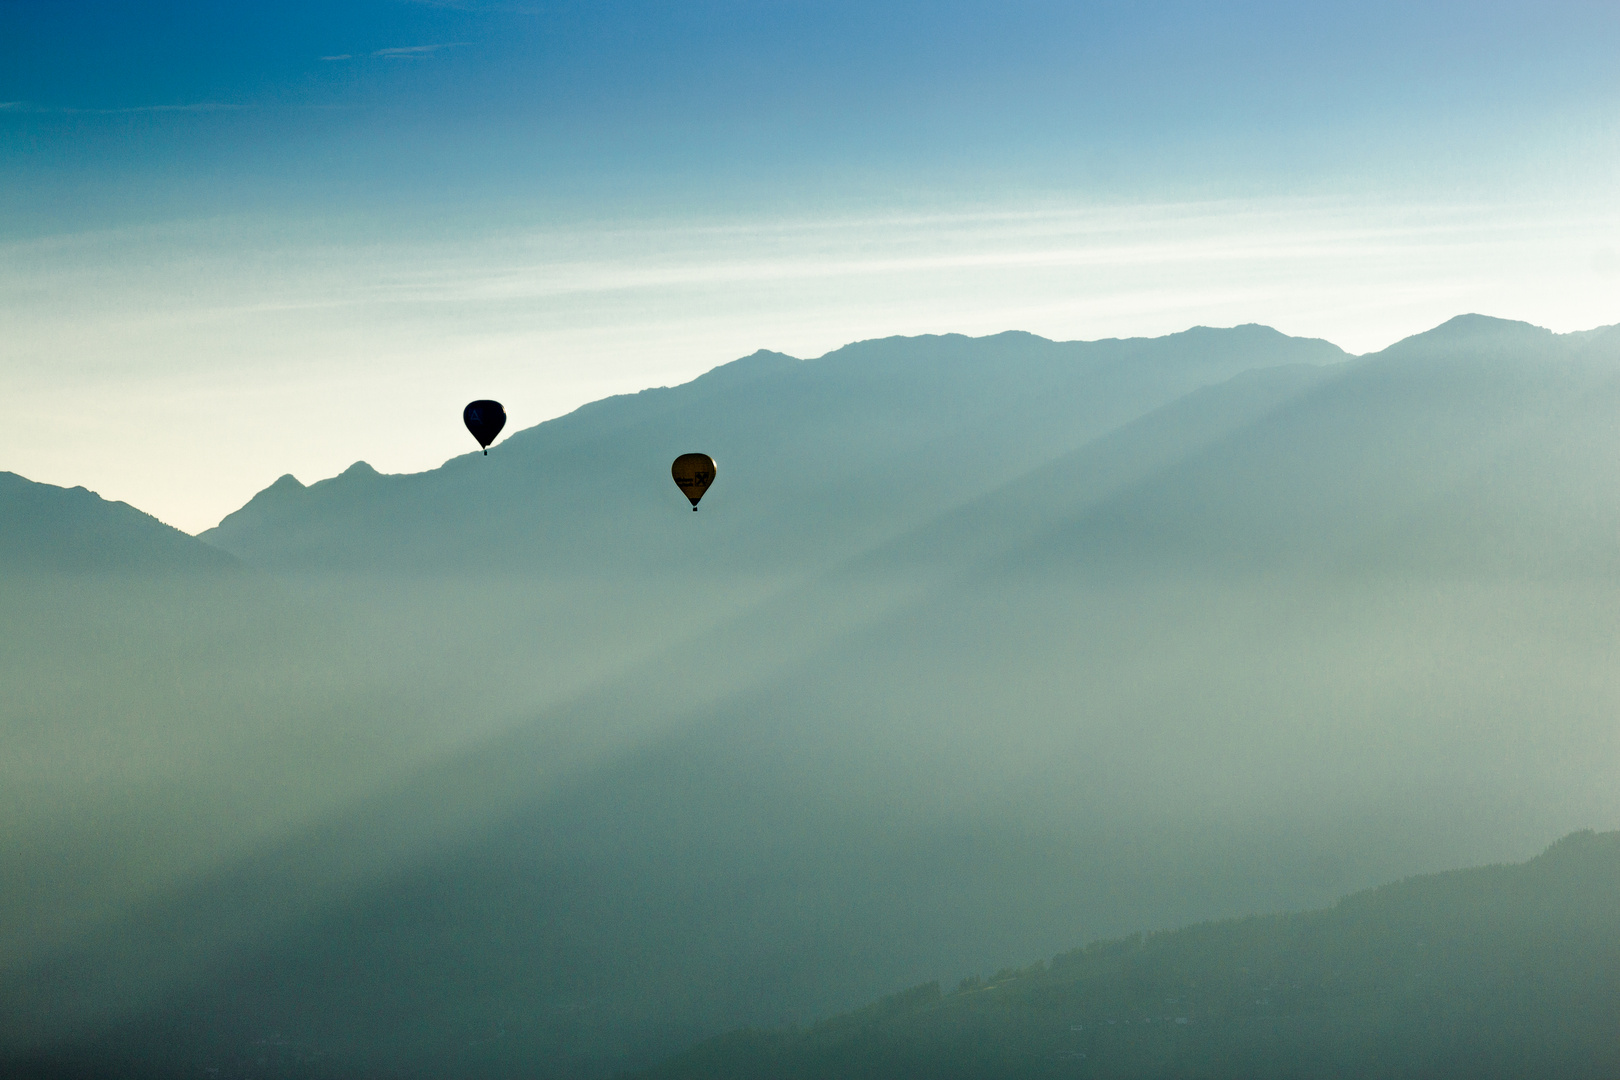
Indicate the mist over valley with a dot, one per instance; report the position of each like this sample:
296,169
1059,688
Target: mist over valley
978,650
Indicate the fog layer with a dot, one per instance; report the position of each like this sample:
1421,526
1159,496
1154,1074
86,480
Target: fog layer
977,649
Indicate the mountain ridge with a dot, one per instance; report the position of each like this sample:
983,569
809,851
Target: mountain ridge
621,412
46,528
1471,972
947,413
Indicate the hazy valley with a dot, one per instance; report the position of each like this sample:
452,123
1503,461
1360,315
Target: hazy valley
979,650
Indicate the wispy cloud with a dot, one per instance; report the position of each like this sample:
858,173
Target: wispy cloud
408,52
200,106
194,107
489,7
339,56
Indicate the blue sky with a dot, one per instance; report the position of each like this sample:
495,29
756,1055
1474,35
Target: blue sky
207,105
266,205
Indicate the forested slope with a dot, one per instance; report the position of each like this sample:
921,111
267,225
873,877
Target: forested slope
1501,971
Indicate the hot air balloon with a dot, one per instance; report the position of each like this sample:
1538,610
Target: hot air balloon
485,420
693,474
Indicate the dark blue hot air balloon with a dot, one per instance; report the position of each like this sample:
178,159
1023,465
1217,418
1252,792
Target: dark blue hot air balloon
485,420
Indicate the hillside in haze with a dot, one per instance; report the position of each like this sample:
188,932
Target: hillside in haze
46,529
1498,971
977,648
818,459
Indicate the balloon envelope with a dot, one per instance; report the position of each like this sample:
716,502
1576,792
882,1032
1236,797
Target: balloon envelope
693,474
485,420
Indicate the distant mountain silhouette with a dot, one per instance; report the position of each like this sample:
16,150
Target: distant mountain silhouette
1480,447
1494,972
817,458
48,528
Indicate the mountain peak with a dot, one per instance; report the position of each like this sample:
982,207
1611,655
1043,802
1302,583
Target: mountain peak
286,489
45,527
1473,322
1475,330
755,365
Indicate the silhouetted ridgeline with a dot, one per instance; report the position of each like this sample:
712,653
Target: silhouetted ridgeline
1503,971
46,529
818,458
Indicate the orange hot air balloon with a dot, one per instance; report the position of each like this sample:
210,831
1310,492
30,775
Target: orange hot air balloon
693,474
